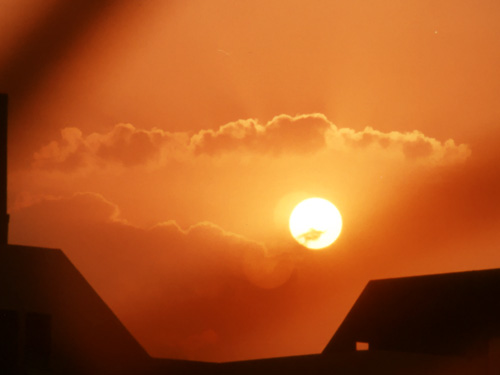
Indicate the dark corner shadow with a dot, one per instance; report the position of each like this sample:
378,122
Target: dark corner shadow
47,42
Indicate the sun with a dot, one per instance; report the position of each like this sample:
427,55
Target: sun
315,223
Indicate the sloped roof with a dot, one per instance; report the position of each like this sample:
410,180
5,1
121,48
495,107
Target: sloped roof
86,334
447,314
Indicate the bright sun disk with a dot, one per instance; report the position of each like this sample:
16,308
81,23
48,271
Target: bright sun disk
315,223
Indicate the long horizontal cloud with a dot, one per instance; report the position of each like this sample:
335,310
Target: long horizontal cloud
305,134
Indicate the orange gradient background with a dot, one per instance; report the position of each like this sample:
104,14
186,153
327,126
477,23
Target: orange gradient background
163,144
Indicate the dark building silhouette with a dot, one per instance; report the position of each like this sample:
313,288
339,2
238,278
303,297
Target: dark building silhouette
56,321
4,218
53,322
447,314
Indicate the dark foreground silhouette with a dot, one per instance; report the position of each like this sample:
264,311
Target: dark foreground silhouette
53,322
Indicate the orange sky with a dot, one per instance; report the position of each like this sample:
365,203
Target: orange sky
162,146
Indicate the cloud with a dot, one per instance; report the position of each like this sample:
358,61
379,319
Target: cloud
297,135
283,134
66,154
176,289
412,145
123,145
312,133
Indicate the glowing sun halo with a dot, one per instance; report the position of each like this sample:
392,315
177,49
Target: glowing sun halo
315,223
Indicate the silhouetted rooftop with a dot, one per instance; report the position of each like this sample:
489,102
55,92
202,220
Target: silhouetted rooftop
447,314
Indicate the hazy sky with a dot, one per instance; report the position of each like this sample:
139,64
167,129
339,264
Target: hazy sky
163,144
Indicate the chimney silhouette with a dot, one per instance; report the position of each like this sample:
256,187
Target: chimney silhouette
4,217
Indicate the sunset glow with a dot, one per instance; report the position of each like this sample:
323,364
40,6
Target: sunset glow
162,145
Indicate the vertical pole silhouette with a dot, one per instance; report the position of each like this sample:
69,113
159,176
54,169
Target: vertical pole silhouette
4,217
